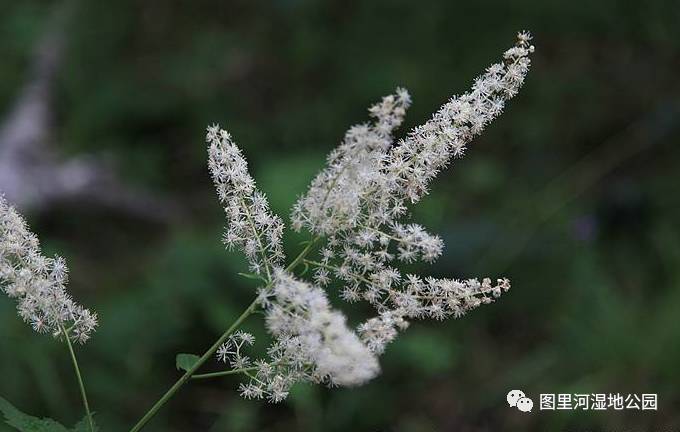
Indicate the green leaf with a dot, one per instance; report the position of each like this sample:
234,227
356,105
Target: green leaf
186,361
84,425
26,423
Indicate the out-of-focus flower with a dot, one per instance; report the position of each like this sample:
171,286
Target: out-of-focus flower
38,283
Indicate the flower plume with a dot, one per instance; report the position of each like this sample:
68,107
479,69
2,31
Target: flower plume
357,210
312,342
38,283
251,225
360,200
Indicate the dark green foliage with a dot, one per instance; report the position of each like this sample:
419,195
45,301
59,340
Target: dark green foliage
26,423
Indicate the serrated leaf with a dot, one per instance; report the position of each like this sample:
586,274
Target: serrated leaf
186,361
27,423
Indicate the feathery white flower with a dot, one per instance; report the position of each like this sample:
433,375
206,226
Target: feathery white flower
231,351
251,225
379,331
302,312
358,204
311,343
37,282
334,199
358,201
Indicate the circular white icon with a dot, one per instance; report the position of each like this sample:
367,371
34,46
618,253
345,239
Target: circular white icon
525,404
514,396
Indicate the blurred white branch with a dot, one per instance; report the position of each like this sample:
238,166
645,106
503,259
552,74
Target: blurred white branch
33,176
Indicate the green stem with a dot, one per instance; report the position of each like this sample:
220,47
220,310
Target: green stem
224,373
83,394
189,373
302,254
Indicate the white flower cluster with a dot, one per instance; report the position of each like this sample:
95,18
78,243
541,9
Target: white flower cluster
316,334
357,204
37,282
231,351
335,198
251,225
312,343
429,298
359,199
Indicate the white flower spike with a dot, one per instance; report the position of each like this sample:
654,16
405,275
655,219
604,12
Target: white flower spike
38,283
357,205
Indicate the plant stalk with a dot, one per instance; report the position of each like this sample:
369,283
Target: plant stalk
298,259
224,373
189,373
83,394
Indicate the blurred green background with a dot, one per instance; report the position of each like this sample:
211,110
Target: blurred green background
572,193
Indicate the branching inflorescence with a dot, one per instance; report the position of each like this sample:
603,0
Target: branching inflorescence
356,206
355,210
